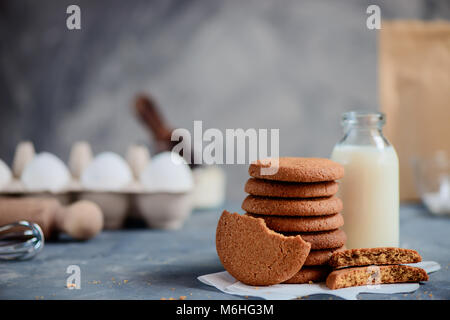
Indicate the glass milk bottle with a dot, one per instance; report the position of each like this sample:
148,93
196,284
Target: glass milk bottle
370,187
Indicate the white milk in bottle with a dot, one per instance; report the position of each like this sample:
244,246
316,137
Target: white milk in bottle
370,187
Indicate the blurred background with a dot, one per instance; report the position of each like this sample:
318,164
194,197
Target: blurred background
290,64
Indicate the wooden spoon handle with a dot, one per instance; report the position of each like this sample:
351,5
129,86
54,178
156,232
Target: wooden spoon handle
147,110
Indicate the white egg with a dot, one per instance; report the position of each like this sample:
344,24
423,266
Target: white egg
45,172
107,172
167,172
5,174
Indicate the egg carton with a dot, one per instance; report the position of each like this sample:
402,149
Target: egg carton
161,190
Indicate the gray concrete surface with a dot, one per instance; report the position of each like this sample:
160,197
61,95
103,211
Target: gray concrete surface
155,264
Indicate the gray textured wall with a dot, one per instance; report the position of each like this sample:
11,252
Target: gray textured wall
290,64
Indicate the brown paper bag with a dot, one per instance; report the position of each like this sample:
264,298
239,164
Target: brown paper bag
414,84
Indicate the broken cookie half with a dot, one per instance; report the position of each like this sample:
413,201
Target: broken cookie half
256,255
370,256
366,266
359,276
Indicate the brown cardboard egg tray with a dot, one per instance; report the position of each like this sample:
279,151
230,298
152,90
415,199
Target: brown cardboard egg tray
162,210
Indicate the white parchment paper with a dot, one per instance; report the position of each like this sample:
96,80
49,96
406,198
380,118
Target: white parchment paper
226,283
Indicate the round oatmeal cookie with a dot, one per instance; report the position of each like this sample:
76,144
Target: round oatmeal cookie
321,257
292,207
297,169
256,255
323,239
302,224
310,274
269,188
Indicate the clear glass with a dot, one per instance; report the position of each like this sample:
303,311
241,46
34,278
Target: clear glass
432,175
364,129
370,187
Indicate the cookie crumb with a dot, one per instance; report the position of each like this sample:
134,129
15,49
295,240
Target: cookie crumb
182,298
310,282
125,281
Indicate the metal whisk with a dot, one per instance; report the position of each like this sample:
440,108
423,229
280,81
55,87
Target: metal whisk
20,240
